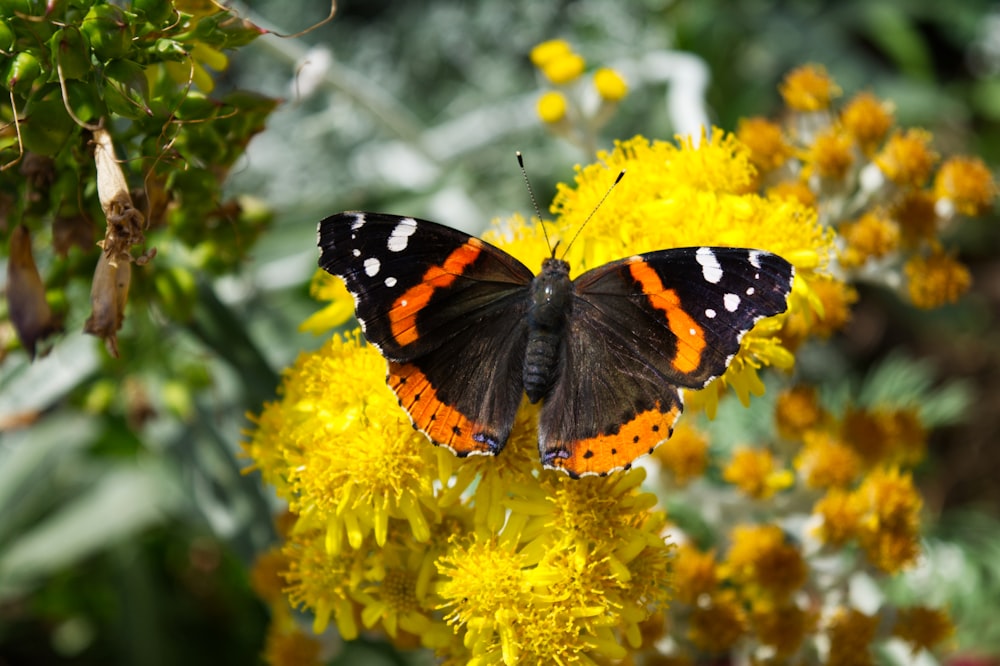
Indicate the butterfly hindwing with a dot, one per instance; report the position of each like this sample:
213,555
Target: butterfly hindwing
425,294
640,328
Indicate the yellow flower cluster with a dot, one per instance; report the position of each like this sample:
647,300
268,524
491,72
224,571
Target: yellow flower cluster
565,110
872,182
496,561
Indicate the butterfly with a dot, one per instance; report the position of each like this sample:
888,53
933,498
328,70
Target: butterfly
468,331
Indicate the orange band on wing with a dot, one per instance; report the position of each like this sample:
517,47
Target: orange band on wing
690,336
604,453
444,424
403,314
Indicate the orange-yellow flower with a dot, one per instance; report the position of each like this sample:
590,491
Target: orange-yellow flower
967,184
765,563
935,280
872,236
766,141
685,455
923,627
826,462
851,633
868,119
754,472
830,155
694,574
907,159
797,410
808,88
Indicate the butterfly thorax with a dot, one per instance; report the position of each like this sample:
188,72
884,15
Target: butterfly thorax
550,300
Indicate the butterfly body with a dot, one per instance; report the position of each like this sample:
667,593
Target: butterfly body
468,331
551,300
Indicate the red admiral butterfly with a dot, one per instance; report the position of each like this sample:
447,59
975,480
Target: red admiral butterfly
468,330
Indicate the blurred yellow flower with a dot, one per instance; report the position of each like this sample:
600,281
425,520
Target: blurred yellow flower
609,84
923,627
906,159
935,280
867,119
966,182
552,107
851,633
808,88
754,472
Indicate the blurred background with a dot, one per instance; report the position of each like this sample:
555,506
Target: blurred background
126,523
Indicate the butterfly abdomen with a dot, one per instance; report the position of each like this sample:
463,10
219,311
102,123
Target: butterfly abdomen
549,307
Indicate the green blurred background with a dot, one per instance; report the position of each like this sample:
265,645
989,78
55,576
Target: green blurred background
126,525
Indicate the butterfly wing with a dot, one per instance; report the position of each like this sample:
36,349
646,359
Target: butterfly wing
447,311
640,329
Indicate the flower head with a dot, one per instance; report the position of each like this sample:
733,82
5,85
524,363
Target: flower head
808,88
966,184
610,85
867,119
936,280
906,159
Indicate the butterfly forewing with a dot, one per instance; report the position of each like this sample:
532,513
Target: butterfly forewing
639,329
447,310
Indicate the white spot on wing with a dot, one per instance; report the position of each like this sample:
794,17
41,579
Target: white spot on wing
356,252
390,282
754,258
731,301
359,221
710,268
401,233
710,313
372,266
750,291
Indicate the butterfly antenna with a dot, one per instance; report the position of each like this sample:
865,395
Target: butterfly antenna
534,202
606,194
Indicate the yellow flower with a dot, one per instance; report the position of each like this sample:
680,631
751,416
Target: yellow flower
766,141
324,582
564,69
966,182
922,627
826,462
872,236
326,287
906,159
851,633
390,596
783,627
585,550
753,471
808,88
935,280
884,435
610,84
552,107
797,410
352,459
916,216
764,563
685,455
867,119
694,574
831,155
795,190
549,50
719,624
840,518
889,507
